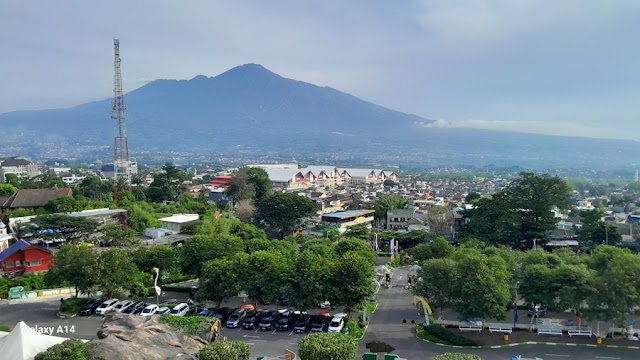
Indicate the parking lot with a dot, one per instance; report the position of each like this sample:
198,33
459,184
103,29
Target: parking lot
42,315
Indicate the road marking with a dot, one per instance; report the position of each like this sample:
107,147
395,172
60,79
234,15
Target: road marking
606,357
274,331
250,336
293,343
291,333
556,355
250,343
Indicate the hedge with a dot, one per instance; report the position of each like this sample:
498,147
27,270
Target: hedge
449,337
71,306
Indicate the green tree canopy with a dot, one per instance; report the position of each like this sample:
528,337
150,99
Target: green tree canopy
519,215
438,281
324,346
309,280
74,264
69,228
360,231
437,249
7,189
594,231
202,248
284,212
264,274
219,281
351,281
358,246
114,272
472,197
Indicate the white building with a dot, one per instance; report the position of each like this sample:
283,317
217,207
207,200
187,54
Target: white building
4,237
175,222
21,166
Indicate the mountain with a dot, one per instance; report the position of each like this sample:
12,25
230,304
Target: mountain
251,111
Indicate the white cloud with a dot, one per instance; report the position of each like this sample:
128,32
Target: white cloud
530,127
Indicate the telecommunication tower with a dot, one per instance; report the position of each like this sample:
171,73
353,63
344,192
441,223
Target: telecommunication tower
121,163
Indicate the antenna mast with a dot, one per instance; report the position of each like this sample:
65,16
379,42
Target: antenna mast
121,164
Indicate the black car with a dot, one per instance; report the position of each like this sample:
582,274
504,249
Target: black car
169,301
320,323
251,320
282,302
135,308
302,324
90,308
286,321
269,320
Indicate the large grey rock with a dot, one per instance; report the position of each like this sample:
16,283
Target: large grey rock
132,337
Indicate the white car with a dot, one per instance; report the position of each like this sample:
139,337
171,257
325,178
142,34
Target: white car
120,306
106,306
162,310
180,310
324,305
149,310
337,324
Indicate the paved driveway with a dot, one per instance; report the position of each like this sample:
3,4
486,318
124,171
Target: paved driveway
396,305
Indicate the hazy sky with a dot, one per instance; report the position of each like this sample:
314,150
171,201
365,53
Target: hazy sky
569,67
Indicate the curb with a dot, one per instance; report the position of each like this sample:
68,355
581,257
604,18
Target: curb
530,343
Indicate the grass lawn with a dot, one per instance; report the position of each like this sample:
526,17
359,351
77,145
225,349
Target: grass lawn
371,307
355,332
71,306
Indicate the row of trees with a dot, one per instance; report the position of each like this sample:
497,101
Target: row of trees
480,281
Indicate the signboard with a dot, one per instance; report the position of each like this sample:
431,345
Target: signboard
16,295
392,245
16,289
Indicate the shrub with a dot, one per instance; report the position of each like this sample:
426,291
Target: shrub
457,356
72,349
448,336
225,350
5,328
190,325
73,305
323,346
176,288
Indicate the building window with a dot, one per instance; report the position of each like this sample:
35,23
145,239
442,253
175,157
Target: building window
8,264
18,263
34,263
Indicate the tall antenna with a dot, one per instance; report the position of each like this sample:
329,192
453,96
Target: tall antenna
121,162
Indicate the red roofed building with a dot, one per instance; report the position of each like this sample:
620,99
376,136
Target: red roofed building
221,181
24,256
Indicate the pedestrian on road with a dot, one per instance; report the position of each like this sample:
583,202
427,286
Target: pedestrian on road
61,300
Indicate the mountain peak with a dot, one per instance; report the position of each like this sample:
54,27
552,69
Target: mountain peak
250,70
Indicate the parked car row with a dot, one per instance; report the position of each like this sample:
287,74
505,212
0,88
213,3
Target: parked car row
100,307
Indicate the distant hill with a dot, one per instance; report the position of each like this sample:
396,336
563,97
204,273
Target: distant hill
250,110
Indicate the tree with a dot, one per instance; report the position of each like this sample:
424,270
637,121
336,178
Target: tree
201,248
356,246
484,289
386,203
167,185
351,281
324,346
388,182
58,226
219,281
75,264
472,197
64,204
332,234
118,235
162,257
284,212
139,218
309,281
594,231
13,180
7,189
617,285
439,219
437,249
438,281
114,272
264,274
536,285
249,183
245,210
225,350
360,231
575,284
519,215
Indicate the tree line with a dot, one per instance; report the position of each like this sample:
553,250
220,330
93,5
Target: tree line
480,281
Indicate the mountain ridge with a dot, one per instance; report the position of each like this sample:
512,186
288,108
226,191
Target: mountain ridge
250,110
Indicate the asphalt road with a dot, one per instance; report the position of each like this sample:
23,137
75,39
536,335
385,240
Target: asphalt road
396,305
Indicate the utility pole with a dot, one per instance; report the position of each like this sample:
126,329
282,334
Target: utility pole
121,163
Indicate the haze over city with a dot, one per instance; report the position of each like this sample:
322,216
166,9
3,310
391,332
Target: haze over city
558,68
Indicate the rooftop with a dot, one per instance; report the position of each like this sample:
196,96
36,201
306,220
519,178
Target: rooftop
181,218
348,214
